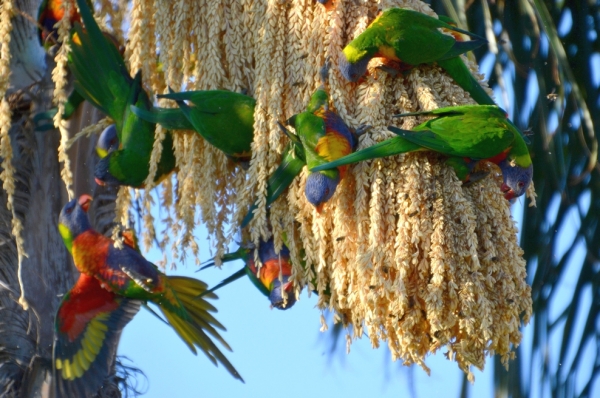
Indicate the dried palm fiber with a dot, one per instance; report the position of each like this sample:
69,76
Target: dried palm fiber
402,251
8,170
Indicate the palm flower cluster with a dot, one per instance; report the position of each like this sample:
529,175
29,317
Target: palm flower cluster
403,251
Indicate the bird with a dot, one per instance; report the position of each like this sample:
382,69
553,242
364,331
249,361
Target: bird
50,13
272,279
101,78
467,134
225,119
126,273
321,136
324,137
405,39
87,329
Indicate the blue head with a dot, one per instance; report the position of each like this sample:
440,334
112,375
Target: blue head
107,142
516,179
276,295
320,188
73,219
352,71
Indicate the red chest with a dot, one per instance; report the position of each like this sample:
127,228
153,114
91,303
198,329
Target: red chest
89,251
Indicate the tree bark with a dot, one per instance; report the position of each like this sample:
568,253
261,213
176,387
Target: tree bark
26,337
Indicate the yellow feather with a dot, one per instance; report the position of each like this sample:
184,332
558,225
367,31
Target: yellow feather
78,370
66,372
87,351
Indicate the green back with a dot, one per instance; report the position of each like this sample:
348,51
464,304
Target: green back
223,118
472,131
310,129
132,169
404,32
137,135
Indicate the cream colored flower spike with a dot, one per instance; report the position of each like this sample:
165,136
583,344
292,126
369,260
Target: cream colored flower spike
402,251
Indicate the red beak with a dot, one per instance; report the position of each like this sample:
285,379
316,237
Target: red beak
100,182
320,207
287,287
508,193
84,202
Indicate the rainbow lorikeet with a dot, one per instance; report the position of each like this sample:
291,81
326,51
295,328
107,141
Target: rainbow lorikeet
88,327
49,13
466,134
267,279
127,274
409,38
327,4
223,118
104,81
322,136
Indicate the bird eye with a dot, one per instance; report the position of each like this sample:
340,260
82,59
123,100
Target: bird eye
69,209
521,184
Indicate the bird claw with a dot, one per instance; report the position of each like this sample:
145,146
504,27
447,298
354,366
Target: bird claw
363,128
476,176
324,72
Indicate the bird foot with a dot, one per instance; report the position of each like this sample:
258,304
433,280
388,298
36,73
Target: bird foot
363,128
476,176
324,72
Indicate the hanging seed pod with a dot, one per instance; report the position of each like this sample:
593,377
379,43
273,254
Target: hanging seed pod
403,250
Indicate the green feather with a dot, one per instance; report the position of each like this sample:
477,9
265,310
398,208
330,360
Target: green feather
223,118
468,131
291,165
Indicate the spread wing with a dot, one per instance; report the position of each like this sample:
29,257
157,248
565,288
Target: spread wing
88,327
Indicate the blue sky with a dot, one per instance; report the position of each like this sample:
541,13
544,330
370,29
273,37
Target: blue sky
278,353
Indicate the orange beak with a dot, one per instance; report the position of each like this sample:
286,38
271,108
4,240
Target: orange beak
320,208
99,182
84,202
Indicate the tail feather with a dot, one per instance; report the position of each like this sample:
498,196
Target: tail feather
100,73
390,147
191,319
461,47
457,69
169,118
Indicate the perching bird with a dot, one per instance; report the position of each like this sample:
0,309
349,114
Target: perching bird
104,81
466,134
126,273
322,136
273,277
88,327
325,137
409,38
223,118
49,13
327,4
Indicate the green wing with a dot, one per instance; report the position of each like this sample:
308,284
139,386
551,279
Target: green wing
310,130
169,118
473,131
224,118
137,135
101,76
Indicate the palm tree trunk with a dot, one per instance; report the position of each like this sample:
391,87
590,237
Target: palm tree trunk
26,336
